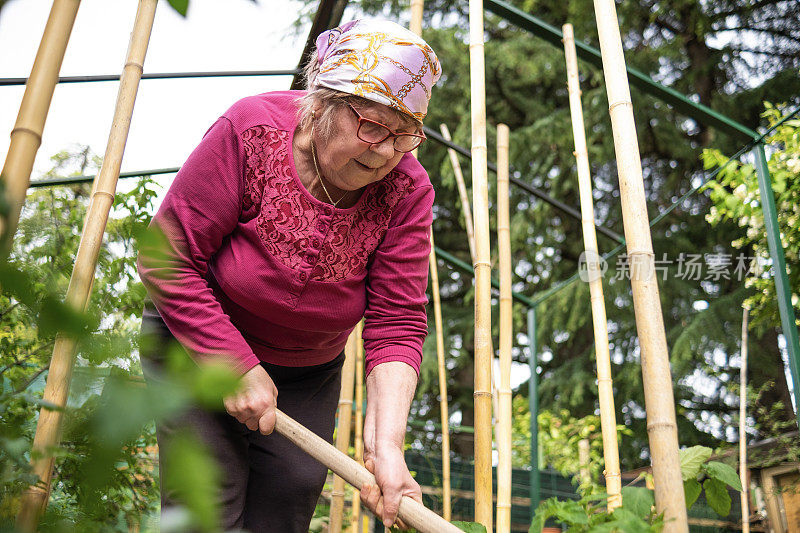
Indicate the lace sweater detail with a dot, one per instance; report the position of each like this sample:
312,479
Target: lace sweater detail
287,216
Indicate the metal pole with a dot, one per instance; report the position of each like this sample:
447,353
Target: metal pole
8,82
646,84
782,287
533,402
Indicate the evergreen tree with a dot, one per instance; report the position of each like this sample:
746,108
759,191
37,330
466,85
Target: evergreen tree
728,55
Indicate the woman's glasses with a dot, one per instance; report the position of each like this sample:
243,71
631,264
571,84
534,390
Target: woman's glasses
373,132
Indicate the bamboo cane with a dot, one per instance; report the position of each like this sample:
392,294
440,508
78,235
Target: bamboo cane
411,512
583,460
608,421
416,16
483,273
416,27
344,417
358,436
26,137
742,426
659,401
58,380
444,409
503,426
462,191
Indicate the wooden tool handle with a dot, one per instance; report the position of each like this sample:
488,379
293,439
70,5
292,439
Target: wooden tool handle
411,511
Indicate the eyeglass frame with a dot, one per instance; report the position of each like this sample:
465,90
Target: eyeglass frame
392,133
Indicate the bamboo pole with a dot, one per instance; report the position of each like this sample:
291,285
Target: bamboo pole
358,436
57,388
416,27
742,426
344,417
416,16
583,460
26,137
608,420
411,512
443,407
462,191
659,401
483,273
503,426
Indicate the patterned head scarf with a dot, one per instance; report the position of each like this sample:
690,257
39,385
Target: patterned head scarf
380,61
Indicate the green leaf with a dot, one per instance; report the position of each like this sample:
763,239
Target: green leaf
181,6
470,527
542,513
692,459
717,496
570,513
627,521
778,183
638,500
597,497
691,491
212,383
723,473
194,478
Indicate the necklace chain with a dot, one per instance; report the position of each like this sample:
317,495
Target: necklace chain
319,176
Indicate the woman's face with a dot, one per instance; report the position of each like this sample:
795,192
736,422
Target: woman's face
347,162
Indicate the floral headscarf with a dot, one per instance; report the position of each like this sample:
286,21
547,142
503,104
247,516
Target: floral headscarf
380,61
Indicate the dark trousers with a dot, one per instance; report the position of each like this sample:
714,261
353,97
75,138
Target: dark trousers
268,484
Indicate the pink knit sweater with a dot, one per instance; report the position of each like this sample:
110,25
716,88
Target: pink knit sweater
257,269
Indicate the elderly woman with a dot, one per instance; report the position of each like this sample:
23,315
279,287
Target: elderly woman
299,213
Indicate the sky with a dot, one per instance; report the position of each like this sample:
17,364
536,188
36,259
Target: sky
170,116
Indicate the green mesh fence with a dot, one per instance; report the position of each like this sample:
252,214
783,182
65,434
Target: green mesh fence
427,471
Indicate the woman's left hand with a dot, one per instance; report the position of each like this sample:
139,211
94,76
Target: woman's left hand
393,482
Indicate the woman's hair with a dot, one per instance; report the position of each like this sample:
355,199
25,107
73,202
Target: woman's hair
330,101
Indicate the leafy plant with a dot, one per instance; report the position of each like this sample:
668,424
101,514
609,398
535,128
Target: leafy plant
637,513
590,513
559,435
714,475
470,527
105,475
736,198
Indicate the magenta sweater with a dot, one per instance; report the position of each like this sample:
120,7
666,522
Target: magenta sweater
257,269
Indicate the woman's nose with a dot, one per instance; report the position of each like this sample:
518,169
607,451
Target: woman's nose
384,148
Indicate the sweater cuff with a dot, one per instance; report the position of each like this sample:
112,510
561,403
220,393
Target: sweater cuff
394,353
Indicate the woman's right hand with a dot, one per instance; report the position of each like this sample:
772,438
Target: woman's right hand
255,403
